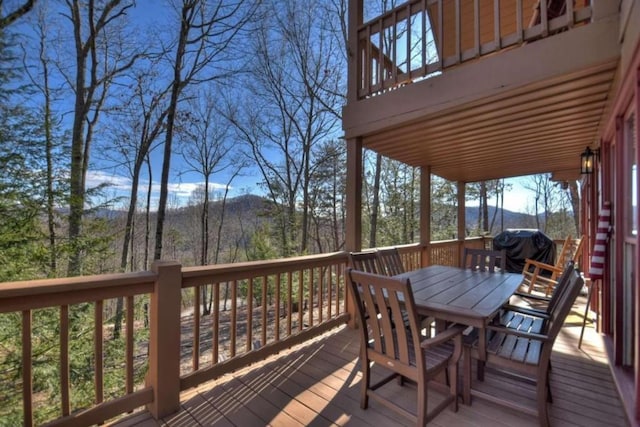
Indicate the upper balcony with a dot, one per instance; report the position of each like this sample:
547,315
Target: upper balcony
430,82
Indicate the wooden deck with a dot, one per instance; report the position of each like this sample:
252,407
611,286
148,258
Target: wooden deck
319,384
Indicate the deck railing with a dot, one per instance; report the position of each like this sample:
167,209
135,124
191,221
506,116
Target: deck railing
422,37
270,305
170,340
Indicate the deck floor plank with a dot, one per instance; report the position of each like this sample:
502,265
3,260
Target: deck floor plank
318,384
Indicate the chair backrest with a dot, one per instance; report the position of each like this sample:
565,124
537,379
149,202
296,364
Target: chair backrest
390,261
484,260
383,302
365,261
571,251
561,287
562,308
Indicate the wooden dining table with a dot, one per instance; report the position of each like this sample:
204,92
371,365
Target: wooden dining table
461,296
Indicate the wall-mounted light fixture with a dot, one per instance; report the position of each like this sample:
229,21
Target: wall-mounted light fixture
587,159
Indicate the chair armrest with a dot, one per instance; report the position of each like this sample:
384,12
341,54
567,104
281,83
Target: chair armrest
444,336
524,310
532,296
514,332
542,265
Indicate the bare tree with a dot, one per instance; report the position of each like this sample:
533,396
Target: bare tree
101,55
293,101
207,150
202,54
327,206
41,81
12,15
138,123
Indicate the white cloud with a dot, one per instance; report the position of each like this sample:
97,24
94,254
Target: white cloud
95,178
177,190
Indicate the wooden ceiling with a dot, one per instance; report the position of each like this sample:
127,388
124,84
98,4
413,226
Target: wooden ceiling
523,110
539,128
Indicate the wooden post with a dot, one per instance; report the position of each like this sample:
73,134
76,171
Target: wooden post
462,221
164,341
425,215
354,195
355,17
354,211
618,218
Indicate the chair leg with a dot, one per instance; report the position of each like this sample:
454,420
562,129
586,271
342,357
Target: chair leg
466,376
364,388
422,404
453,385
480,370
543,406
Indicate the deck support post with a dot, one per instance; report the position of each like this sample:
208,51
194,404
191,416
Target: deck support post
462,220
353,238
425,215
164,340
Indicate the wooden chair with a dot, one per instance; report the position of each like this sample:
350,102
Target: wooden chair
544,277
533,317
381,302
366,261
521,354
390,261
484,260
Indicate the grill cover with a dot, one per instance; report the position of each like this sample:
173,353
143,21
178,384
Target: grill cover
521,244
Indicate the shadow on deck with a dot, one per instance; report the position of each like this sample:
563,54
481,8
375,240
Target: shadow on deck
318,383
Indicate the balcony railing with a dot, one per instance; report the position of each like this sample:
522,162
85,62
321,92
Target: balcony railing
423,37
168,343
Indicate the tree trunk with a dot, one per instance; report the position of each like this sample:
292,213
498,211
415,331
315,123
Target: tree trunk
176,88
574,194
376,201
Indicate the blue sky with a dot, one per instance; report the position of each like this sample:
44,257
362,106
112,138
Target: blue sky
151,16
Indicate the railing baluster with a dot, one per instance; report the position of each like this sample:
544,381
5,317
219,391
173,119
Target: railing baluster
476,27
249,310
289,301
332,269
569,12
321,273
195,355
130,344
215,324
339,278
99,370
234,317
264,310
544,20
519,29
441,33
27,381
277,316
424,61
408,70
310,284
496,25
393,45
64,360
300,298
368,62
458,24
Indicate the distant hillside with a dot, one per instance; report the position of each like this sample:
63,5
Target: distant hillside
511,219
